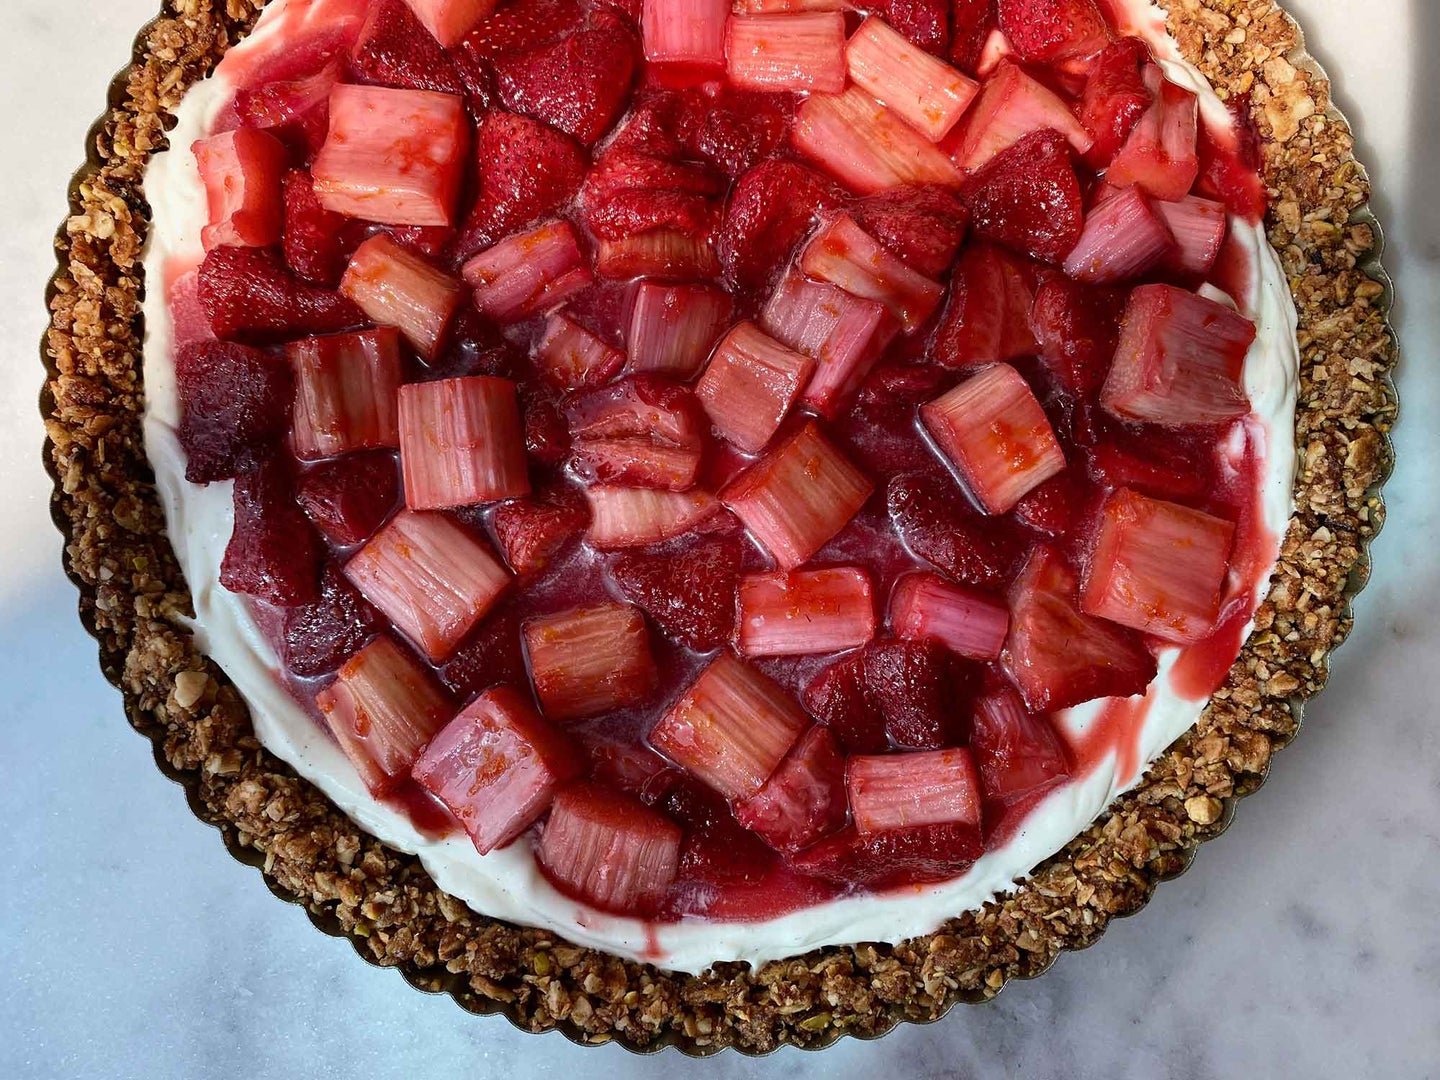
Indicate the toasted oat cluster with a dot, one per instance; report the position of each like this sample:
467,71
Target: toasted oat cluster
708,460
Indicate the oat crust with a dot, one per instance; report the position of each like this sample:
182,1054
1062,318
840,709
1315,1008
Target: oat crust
131,593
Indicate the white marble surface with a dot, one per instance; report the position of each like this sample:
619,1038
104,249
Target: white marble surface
1303,943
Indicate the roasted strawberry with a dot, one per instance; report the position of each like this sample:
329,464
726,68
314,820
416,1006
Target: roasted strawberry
740,130
297,110
234,401
970,24
1017,752
1027,198
322,635
804,799
840,698
579,84
395,49
914,685
1077,327
987,317
771,209
1044,31
922,225
1115,98
350,497
935,525
689,593
490,656
925,22
317,242
248,294
521,26
531,532
273,554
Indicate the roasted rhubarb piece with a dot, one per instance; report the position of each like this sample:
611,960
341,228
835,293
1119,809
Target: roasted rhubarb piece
926,607
241,173
528,274
867,146
1124,237
919,690
497,766
350,497
273,554
731,728
1017,752
751,383
382,708
1180,360
322,635
1027,197
787,52
393,156
802,612
1158,567
1011,106
624,517
1047,31
924,91
430,577
898,791
689,32
248,294
1058,655
234,400
689,594
571,357
396,287
987,316
1160,155
531,532
609,848
346,390
644,431
295,110
844,334
994,432
1199,227
798,496
804,799
846,256
667,254
674,327
461,442
948,533
590,661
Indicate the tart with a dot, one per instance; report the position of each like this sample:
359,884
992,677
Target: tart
721,486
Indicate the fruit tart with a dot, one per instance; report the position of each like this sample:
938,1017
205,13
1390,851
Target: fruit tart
719,523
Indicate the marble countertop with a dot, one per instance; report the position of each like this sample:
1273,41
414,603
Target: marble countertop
1303,943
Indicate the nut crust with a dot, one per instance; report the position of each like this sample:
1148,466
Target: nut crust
132,593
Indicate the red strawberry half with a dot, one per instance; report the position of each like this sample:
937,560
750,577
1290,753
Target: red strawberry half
690,593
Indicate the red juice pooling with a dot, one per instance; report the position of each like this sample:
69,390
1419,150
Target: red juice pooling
871,284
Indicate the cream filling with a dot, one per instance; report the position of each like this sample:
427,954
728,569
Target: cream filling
507,884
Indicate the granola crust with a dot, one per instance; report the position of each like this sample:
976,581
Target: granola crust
132,595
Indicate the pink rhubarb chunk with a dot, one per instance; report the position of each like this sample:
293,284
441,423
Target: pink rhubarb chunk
430,577
393,156
1018,753
921,89
798,496
590,661
610,849
396,287
900,791
787,52
731,728
528,274
1199,227
1180,360
346,393
925,606
1011,105
241,172
1158,567
847,256
868,147
688,32
1160,156
450,20
571,357
622,517
804,799
994,432
805,611
674,327
461,443
1124,238
750,386
382,708
667,254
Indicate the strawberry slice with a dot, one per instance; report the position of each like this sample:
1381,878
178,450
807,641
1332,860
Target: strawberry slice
798,496
802,52
897,791
461,443
938,528
273,554
609,849
322,635
1180,360
520,26
689,594
993,430
396,287
804,612
532,532
241,173
396,49
1028,198
917,688
578,85
624,517
430,577
382,708
526,171
1077,327
718,855
971,22
248,294
845,255
742,129
1046,31
925,607
771,209
490,656
922,225
234,401
530,273
346,390
644,431
909,856
1011,106
1114,99
1124,238
1059,656
750,384
1017,752
590,661
987,317
804,799
497,766
840,698
448,21
926,92
731,728
674,327
1160,155
1158,567
867,146
572,358
349,498
317,242
685,32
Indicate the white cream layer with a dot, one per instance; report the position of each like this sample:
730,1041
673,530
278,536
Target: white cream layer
507,884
